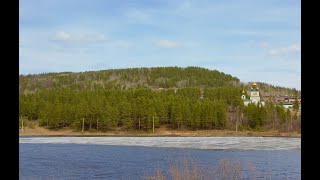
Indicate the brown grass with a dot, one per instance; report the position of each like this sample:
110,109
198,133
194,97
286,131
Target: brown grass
190,170
41,131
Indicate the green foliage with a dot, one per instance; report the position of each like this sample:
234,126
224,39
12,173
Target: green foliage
296,105
158,77
193,98
256,115
232,95
295,116
241,127
288,115
281,114
106,109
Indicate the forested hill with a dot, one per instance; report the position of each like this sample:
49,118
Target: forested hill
154,78
138,98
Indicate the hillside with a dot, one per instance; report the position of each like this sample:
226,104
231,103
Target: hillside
154,78
141,99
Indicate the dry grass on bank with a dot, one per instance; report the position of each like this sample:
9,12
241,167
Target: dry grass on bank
190,170
41,131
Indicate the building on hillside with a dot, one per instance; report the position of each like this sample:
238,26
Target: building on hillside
287,101
280,99
244,98
287,105
292,100
254,96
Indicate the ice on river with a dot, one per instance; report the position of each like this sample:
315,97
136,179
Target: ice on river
242,143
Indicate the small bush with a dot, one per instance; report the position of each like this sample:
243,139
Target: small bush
241,127
76,125
32,124
190,170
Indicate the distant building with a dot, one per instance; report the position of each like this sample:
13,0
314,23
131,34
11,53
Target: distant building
244,98
292,100
287,105
280,99
287,101
254,96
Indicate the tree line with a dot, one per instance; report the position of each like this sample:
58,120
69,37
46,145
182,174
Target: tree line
189,108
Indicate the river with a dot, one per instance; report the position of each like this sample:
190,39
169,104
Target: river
135,157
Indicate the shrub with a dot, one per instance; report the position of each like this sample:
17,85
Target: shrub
190,170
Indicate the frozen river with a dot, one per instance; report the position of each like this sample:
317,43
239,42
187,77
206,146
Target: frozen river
134,157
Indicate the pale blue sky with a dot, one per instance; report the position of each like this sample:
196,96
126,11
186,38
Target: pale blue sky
256,40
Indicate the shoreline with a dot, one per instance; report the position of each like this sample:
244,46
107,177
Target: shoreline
39,131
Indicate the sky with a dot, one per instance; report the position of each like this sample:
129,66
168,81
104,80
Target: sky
254,40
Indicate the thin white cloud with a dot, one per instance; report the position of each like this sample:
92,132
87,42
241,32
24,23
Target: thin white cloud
121,44
290,50
278,14
68,37
251,33
138,16
168,43
254,43
264,44
185,5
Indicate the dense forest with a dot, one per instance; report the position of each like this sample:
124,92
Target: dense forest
189,98
154,78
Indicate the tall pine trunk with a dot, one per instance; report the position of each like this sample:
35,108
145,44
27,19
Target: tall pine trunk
97,124
139,124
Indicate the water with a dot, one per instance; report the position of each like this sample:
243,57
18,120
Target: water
135,157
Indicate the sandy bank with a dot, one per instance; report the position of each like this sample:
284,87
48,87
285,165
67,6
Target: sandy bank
40,131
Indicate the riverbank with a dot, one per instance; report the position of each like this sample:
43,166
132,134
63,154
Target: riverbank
40,131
